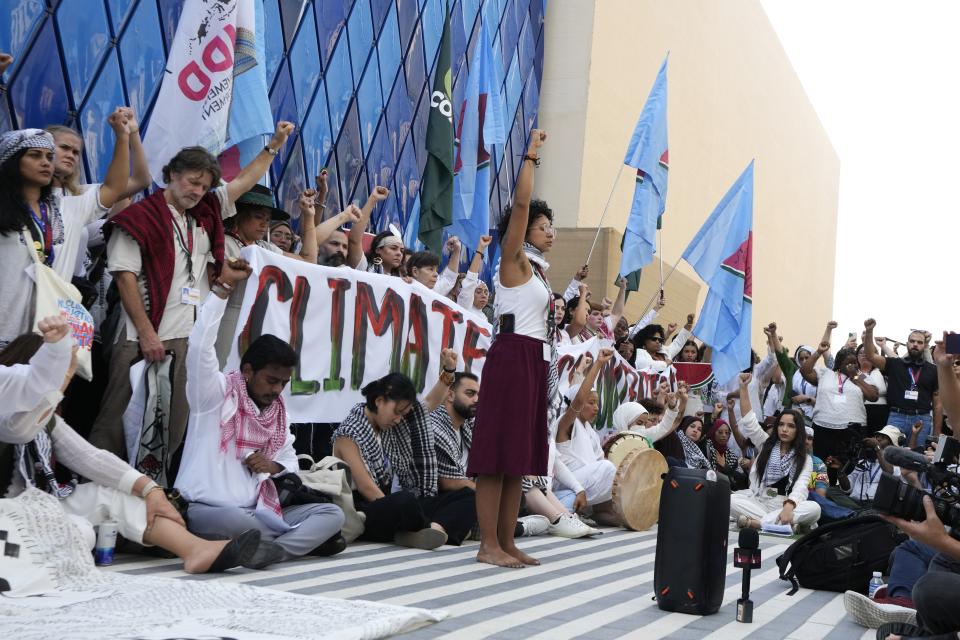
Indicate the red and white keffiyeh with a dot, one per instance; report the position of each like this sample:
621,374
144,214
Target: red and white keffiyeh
252,430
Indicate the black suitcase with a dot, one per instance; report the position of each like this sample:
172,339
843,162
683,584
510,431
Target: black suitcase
690,568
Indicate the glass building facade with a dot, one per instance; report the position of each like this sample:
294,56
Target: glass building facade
354,75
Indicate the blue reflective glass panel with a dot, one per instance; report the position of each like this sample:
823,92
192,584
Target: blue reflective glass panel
399,114
360,31
339,83
118,11
538,59
37,93
413,65
469,10
458,38
369,103
513,87
6,120
17,21
141,51
491,15
98,138
505,177
334,201
388,52
420,116
293,182
362,191
518,144
407,15
380,158
331,18
305,62
407,181
432,26
85,36
349,153
290,11
317,140
536,14
378,10
273,38
510,26
284,106
170,15
527,48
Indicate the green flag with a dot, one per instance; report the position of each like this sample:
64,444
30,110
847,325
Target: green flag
436,188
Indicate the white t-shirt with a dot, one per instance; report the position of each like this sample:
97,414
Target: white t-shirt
77,212
178,318
875,377
839,401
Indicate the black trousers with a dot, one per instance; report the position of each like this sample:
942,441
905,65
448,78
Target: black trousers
935,595
455,511
877,415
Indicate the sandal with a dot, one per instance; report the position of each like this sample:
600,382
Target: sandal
238,551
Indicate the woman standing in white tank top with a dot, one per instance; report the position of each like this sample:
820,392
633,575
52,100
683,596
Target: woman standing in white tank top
510,433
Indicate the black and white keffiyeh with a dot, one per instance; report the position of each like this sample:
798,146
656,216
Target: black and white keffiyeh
450,445
778,466
406,449
691,452
34,462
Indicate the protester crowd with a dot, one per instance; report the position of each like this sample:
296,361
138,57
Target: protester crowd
800,435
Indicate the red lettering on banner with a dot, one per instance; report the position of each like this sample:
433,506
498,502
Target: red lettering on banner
450,316
470,350
192,70
225,51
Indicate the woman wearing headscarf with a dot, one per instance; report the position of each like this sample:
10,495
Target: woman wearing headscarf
30,222
722,458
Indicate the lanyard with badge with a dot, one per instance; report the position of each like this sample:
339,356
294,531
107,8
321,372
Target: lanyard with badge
42,233
841,381
913,393
190,294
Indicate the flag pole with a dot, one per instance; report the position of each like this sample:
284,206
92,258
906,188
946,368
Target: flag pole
604,214
660,242
663,281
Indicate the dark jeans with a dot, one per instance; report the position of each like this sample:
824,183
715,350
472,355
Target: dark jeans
909,563
935,596
455,511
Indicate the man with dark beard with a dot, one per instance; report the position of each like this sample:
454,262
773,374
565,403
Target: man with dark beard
452,424
333,252
912,388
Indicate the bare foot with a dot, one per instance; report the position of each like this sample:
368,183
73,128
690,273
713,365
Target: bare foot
499,558
522,557
203,555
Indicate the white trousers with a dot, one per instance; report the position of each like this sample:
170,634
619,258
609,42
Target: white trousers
597,480
766,509
90,504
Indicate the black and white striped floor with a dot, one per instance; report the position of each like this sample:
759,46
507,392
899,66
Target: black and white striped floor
594,588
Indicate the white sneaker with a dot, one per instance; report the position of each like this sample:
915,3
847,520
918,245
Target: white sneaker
534,525
871,615
570,527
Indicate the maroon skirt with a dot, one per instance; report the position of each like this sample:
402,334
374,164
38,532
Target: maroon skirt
510,432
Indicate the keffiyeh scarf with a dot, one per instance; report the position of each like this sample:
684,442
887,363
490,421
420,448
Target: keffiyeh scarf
778,466
252,430
691,452
35,463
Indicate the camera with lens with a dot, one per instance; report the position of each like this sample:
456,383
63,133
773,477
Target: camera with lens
856,451
902,500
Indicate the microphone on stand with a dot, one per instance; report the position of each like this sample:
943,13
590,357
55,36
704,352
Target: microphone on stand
747,557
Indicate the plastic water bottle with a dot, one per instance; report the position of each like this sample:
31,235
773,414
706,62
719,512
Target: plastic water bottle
875,583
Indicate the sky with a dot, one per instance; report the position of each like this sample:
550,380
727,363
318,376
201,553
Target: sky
884,78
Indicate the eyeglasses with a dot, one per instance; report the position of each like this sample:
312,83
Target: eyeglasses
547,229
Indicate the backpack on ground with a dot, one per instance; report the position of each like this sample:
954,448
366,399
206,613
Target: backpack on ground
840,556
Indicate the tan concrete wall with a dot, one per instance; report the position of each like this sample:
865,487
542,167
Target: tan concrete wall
733,96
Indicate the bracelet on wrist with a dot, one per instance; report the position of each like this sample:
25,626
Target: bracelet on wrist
532,158
454,370
147,488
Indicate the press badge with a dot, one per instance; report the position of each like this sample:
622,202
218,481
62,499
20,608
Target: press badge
190,295
910,394
547,352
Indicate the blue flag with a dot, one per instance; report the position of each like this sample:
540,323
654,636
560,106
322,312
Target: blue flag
648,154
250,115
721,254
482,124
